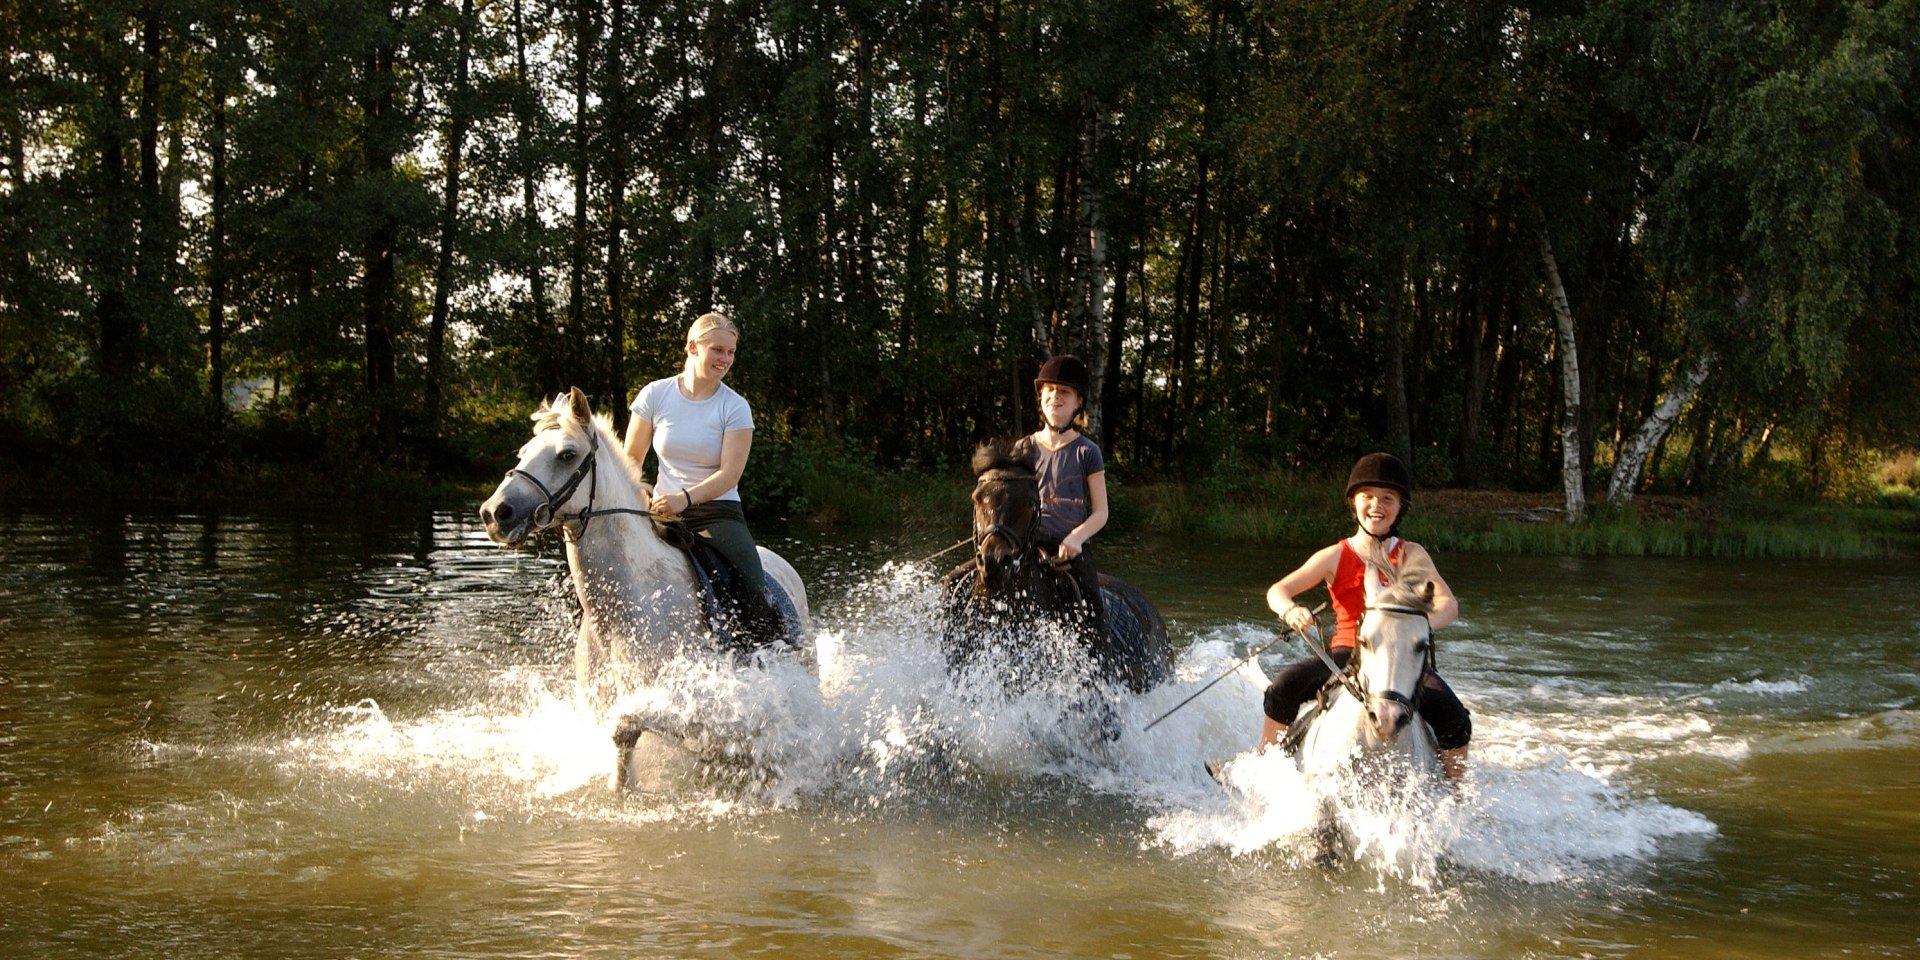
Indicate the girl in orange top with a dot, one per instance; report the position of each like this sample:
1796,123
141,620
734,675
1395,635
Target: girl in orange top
1378,489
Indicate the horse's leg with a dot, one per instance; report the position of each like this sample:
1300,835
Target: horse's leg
627,733
590,665
1136,648
1453,763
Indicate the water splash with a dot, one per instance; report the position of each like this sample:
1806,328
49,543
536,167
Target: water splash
887,721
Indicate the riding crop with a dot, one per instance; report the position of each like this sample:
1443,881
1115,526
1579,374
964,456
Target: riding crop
1235,668
956,545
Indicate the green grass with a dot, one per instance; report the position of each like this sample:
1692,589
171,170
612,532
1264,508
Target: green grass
1293,509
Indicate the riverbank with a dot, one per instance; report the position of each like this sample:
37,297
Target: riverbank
1295,509
1269,507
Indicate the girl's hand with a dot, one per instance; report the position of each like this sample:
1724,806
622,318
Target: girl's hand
1069,548
1296,616
670,504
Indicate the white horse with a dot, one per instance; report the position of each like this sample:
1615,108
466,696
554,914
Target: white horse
639,598
1371,737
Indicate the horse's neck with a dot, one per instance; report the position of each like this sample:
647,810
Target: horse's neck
621,568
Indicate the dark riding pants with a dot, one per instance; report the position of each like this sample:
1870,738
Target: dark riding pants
1301,681
723,524
1086,580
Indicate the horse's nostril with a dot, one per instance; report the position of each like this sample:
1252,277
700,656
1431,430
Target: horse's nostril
503,513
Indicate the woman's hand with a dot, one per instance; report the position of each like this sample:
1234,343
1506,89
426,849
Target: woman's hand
1291,612
671,504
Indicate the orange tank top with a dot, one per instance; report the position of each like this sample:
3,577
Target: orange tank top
1348,591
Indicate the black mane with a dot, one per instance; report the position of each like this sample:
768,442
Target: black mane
992,456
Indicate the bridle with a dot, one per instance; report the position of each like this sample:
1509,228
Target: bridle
1357,685
547,514
1021,540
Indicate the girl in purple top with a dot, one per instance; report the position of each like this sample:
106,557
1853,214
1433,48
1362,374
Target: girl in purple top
1072,474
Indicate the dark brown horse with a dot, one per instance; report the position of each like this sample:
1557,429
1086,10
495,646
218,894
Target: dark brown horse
1009,587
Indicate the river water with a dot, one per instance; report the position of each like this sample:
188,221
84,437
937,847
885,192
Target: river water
355,736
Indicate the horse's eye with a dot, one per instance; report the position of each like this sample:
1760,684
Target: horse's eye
566,456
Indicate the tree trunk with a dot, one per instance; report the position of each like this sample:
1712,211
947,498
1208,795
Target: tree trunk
458,108
377,259
217,240
149,265
615,97
1477,338
1632,461
1093,223
1399,424
1571,479
584,31
546,372
116,322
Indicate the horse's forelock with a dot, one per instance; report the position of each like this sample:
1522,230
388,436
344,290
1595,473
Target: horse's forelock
1407,581
1407,590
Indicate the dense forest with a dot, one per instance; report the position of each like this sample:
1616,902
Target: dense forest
1603,246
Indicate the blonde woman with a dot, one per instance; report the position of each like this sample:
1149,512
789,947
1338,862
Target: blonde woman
701,431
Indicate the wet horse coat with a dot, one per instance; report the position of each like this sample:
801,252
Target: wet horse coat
1369,734
1007,586
640,596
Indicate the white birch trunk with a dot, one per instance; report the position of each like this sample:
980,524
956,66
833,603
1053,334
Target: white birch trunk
1570,478
1092,206
1631,462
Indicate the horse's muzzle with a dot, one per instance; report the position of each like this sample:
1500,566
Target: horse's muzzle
506,525
1389,716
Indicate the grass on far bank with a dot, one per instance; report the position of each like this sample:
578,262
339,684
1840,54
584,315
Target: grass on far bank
1296,509
1291,510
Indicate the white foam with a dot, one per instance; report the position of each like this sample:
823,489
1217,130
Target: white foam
1769,687
1540,805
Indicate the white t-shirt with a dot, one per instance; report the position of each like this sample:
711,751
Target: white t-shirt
687,434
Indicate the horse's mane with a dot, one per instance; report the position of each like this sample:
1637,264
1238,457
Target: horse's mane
1407,583
994,456
557,414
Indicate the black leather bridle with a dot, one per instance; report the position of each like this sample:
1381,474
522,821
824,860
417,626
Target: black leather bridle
1412,703
547,514
1022,540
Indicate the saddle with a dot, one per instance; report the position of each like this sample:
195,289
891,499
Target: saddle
1297,730
722,596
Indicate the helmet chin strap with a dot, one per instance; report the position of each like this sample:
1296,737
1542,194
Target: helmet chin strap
1070,418
1392,531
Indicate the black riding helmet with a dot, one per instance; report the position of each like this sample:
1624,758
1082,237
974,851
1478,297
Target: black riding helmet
1067,370
1383,470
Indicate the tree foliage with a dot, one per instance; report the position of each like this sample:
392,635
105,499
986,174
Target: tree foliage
1286,232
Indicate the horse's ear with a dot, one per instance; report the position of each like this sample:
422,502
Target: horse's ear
984,457
577,404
